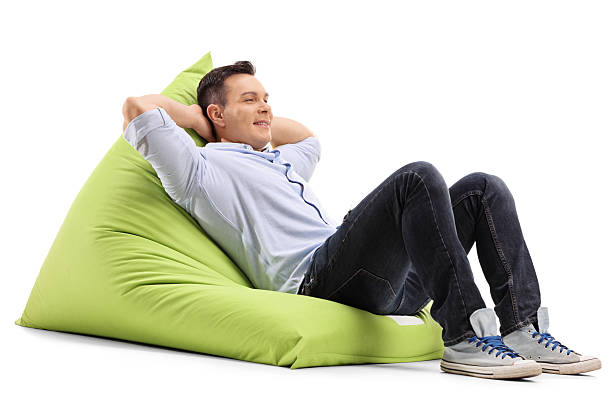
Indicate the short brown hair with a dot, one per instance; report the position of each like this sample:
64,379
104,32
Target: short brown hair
212,89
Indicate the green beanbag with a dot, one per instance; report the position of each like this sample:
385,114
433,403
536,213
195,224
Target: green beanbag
129,263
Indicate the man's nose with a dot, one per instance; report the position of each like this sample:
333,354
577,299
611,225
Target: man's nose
265,107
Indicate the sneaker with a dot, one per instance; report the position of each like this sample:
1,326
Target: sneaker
485,355
540,346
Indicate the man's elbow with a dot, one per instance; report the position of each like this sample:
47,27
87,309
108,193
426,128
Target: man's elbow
132,107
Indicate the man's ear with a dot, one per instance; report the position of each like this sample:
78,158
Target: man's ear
215,113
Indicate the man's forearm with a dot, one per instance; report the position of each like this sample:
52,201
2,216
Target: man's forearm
286,130
135,105
177,111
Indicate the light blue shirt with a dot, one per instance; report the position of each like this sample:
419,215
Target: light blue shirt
256,205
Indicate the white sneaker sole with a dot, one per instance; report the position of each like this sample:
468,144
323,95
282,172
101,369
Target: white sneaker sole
497,372
571,368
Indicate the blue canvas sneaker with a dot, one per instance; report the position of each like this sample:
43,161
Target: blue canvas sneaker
485,355
540,346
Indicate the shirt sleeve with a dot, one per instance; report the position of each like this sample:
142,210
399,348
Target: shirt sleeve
173,154
303,155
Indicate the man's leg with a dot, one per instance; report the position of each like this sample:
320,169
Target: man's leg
403,231
485,213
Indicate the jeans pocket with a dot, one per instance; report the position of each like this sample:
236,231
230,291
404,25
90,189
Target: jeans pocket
367,291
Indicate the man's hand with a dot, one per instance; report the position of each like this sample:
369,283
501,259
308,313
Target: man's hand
200,123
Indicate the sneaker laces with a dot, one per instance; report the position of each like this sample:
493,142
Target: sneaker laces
551,339
496,343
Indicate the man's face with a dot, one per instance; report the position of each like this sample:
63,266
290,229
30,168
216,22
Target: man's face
246,104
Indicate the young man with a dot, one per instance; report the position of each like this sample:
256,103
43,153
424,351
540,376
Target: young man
404,244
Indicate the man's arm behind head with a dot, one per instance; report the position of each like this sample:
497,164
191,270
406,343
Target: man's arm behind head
187,117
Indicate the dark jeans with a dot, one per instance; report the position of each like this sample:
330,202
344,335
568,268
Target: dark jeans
406,243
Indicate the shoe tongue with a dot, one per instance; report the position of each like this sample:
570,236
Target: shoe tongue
543,319
484,323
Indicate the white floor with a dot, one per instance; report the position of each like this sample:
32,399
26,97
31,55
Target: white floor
52,369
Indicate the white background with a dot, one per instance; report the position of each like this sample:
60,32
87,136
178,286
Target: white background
518,89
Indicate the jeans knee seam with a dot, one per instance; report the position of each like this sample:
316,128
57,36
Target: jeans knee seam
445,248
465,195
502,258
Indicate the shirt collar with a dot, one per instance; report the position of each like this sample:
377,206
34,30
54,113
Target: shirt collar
266,153
235,146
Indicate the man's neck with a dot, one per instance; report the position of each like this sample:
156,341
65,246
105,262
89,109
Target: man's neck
257,150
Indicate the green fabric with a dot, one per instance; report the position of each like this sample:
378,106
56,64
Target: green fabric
129,263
